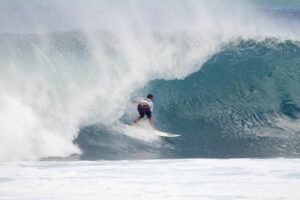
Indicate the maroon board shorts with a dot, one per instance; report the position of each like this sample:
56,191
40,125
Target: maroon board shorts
144,110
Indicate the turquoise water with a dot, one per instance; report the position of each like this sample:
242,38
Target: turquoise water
242,103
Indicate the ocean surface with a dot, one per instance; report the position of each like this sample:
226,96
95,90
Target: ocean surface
224,75
207,179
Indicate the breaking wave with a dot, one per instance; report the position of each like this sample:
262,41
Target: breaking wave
225,77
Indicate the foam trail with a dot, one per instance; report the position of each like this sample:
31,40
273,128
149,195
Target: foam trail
69,64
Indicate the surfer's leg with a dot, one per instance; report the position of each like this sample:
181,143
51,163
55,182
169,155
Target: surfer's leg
149,115
151,121
141,112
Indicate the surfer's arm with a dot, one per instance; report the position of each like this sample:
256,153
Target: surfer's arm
151,106
135,100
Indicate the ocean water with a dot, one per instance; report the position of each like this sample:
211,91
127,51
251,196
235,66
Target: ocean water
152,179
225,76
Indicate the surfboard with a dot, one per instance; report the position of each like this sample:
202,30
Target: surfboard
146,127
164,134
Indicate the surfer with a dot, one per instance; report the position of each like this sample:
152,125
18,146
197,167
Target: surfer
145,107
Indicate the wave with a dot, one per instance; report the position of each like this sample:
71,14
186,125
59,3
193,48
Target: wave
232,106
244,102
66,66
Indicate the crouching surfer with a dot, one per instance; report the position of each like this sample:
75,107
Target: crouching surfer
145,107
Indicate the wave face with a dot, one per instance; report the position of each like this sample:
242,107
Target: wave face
69,69
244,102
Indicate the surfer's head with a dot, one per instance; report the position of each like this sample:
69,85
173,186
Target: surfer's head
150,96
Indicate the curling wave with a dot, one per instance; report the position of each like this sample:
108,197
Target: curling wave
66,66
244,102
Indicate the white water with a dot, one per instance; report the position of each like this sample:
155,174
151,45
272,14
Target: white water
205,179
48,90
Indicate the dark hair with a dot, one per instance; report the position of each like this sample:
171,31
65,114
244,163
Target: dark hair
149,96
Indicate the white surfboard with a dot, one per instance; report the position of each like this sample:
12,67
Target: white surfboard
144,125
164,134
